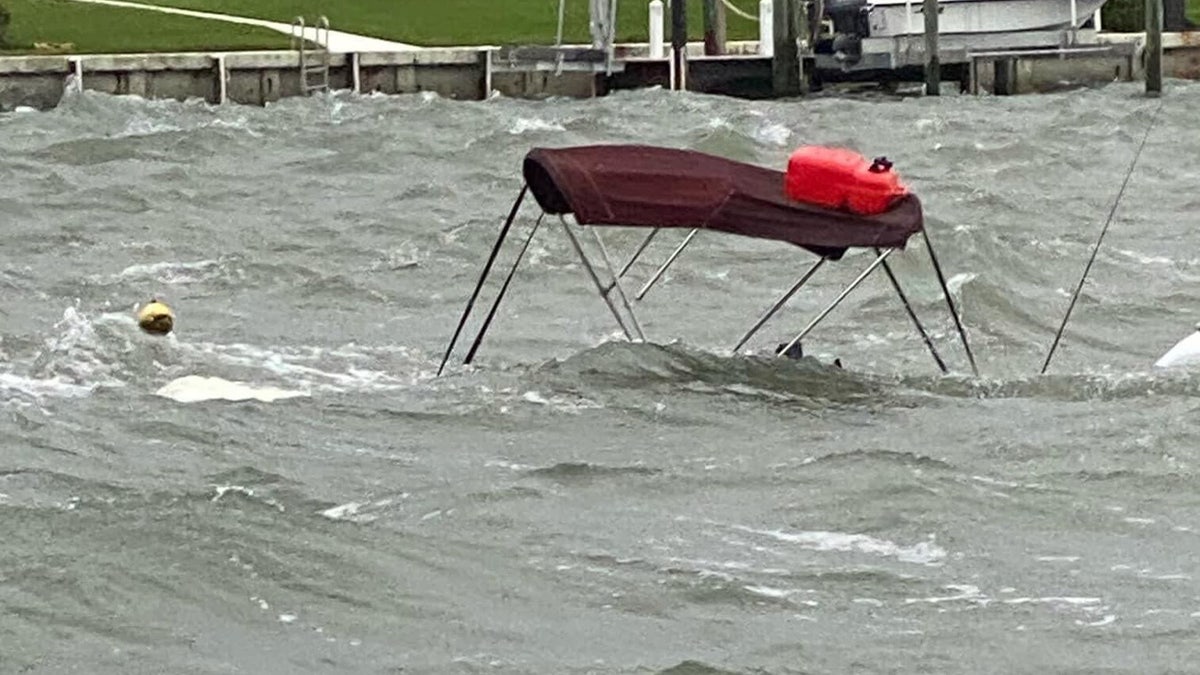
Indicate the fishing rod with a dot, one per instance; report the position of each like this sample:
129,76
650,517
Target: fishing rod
1104,230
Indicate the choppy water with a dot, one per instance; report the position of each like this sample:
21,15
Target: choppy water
573,503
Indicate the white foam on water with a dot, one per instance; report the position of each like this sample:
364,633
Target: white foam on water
969,593
1054,600
922,553
196,388
1143,258
71,363
560,403
775,593
222,490
143,126
956,282
292,365
964,592
526,124
352,511
773,133
13,385
172,272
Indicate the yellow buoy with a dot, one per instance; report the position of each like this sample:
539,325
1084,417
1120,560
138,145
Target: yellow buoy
156,318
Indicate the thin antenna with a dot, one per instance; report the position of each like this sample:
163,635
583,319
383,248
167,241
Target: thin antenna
1096,248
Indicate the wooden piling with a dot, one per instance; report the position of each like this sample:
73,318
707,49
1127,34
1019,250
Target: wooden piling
1154,47
714,27
785,65
679,42
933,61
805,46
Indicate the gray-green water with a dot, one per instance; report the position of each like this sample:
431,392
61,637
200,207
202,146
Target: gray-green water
573,503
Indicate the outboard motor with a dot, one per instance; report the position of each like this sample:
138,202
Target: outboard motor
850,25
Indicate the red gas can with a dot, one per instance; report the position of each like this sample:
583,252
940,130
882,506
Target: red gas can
839,178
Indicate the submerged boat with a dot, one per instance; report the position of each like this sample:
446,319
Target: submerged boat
811,208
1186,352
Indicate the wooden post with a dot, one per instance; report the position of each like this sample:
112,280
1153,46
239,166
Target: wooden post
785,65
803,35
1154,48
1004,76
933,60
714,27
679,42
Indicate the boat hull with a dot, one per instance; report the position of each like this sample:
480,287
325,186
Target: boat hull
897,18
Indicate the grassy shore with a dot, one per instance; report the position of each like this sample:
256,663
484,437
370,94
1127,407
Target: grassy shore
468,22
82,28
74,27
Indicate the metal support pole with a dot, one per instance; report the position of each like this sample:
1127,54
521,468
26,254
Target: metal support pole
587,265
913,315
962,333
617,285
637,254
779,303
654,279
503,289
512,214
838,300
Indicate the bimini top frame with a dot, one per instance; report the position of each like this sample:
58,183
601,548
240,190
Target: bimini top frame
654,187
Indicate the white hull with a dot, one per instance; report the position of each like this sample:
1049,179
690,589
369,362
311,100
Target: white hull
891,18
1185,352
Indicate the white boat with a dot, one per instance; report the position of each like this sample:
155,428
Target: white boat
892,18
1185,352
889,34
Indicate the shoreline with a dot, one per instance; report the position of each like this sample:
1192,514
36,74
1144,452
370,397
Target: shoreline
476,72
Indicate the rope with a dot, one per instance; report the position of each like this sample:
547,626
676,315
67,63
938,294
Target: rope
735,10
728,5
1103,231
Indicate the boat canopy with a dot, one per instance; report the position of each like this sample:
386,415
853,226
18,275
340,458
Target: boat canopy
647,186
662,188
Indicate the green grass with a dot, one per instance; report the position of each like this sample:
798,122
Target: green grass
468,22
96,29
1129,16
99,29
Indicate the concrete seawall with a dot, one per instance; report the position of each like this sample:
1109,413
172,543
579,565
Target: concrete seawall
254,78
472,73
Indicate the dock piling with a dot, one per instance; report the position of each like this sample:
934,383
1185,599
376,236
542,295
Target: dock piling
656,29
714,27
785,64
679,44
933,66
1154,47
766,27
